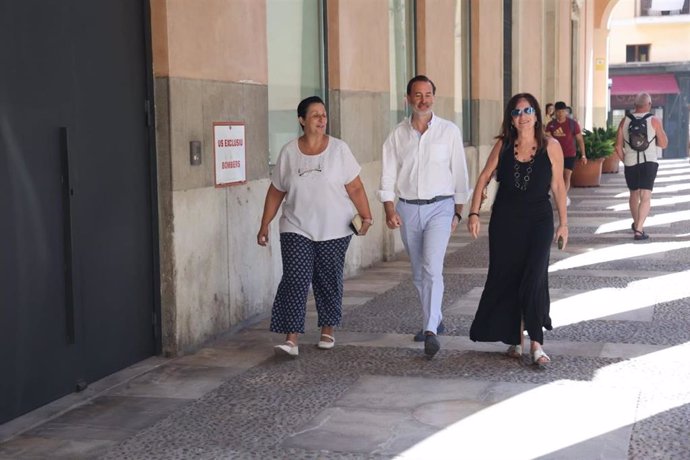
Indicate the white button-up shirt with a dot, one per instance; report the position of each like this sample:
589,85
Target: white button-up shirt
421,166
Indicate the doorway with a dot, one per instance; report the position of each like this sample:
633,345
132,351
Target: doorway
78,276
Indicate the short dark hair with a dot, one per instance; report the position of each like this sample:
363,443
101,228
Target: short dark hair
304,104
560,105
303,107
420,78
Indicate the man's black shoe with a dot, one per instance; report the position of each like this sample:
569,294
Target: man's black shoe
431,345
419,336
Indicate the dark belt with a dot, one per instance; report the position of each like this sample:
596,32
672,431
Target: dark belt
429,201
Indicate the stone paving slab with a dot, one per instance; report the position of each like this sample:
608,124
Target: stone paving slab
242,414
86,431
412,417
386,433
69,402
44,447
561,405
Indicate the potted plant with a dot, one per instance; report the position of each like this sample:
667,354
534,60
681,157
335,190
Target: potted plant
611,163
598,146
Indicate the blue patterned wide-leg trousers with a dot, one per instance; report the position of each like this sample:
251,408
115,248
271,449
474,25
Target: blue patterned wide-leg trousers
305,262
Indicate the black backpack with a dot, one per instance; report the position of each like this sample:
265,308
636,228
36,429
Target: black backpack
637,133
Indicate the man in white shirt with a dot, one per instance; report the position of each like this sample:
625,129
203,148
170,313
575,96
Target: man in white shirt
424,165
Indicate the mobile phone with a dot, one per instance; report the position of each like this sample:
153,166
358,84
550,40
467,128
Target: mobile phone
560,242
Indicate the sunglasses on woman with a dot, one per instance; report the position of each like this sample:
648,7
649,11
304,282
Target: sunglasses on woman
518,112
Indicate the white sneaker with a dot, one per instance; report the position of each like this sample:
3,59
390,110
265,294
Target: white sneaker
286,349
567,201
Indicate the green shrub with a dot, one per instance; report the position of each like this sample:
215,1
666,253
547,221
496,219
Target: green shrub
599,143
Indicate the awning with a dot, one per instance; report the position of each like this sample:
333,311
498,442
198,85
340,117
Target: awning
661,83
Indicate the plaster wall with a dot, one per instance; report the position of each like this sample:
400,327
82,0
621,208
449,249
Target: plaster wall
563,59
444,107
223,277
528,28
358,45
207,233
584,78
194,106
668,40
487,70
436,44
486,84
550,46
600,99
223,40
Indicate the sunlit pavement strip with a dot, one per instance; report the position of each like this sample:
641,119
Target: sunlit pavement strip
569,306
467,414
543,420
570,272
623,251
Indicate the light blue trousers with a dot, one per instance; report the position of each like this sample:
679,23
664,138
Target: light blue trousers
425,232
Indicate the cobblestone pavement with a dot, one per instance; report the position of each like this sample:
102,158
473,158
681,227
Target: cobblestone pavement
616,387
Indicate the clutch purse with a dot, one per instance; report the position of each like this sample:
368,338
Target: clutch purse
356,224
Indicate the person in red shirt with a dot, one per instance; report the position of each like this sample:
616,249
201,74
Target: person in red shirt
567,131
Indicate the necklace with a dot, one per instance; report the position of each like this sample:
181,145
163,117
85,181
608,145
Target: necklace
521,181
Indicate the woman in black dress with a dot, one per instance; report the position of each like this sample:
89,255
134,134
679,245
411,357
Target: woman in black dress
516,293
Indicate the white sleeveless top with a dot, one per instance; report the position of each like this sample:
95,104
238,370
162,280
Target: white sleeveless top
630,157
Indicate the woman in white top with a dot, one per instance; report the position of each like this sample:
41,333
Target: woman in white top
317,176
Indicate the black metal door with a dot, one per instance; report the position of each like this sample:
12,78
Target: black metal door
76,260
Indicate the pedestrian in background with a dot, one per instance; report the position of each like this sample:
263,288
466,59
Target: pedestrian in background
516,294
318,177
567,132
640,158
424,165
549,112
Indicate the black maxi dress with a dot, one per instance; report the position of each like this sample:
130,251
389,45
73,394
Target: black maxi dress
520,235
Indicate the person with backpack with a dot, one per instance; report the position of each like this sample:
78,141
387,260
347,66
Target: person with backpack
640,138
567,132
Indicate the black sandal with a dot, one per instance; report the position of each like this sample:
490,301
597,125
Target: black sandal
640,235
